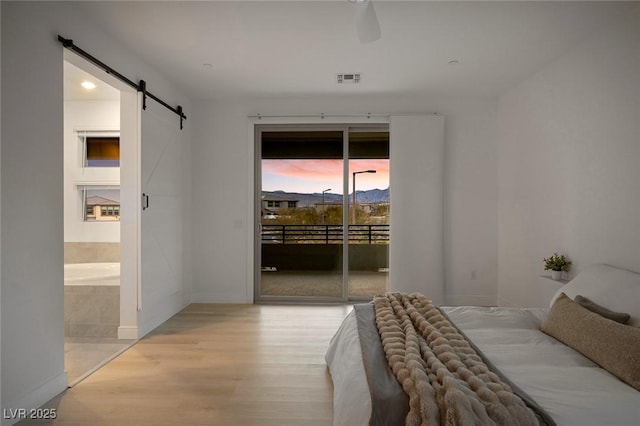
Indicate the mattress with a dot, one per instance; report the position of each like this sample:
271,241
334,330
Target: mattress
569,387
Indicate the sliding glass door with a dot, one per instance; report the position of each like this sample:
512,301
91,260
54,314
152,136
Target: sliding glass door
369,208
315,243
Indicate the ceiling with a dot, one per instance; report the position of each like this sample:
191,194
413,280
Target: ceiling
296,48
73,90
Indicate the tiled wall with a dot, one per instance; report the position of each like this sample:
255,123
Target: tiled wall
79,252
91,311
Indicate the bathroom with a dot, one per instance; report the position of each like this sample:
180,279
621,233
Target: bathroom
91,223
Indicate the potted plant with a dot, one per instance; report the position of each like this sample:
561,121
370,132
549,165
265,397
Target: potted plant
557,264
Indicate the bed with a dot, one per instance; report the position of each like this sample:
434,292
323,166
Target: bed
553,372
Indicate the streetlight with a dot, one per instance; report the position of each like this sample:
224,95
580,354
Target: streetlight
354,191
323,207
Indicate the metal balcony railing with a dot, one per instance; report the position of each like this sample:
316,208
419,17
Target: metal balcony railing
324,234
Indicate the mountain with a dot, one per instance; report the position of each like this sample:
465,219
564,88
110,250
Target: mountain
373,196
307,200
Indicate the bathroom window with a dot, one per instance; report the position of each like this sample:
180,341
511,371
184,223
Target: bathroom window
103,152
101,204
100,148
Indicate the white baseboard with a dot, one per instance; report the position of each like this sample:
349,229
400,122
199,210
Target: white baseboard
129,332
35,398
213,297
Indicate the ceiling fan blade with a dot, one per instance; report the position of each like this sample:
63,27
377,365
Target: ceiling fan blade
367,22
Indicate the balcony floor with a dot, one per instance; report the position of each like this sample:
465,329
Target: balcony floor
323,283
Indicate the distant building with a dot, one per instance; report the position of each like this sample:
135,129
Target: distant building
271,204
102,209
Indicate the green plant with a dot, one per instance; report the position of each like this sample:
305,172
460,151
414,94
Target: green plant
557,262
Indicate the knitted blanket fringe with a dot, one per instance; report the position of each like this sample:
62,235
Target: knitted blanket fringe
446,380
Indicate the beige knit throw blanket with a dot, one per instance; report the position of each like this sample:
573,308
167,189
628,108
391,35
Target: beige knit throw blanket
446,380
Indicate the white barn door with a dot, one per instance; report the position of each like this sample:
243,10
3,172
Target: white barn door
161,246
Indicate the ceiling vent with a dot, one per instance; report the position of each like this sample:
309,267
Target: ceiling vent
349,78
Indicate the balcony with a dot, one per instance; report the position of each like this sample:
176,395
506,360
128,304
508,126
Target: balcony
307,260
324,234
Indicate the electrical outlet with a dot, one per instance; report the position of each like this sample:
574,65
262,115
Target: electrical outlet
474,275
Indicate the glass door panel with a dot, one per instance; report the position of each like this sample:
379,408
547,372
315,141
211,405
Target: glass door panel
369,209
301,214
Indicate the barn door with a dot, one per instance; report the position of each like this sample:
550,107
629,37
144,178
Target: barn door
161,217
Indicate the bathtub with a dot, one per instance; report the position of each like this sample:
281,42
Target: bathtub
91,300
92,274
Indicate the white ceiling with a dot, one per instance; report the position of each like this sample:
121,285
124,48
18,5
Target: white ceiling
295,48
73,90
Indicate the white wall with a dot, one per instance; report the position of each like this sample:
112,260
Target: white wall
1,405
569,162
221,179
86,115
416,261
32,296
32,368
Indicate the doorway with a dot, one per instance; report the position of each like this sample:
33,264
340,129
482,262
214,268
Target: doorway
93,283
322,209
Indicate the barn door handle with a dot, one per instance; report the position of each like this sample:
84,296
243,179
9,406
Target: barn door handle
145,201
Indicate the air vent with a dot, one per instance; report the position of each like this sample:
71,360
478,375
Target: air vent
349,78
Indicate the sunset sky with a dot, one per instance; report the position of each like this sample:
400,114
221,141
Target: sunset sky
309,176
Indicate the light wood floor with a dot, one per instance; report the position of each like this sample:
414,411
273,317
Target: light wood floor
216,365
82,355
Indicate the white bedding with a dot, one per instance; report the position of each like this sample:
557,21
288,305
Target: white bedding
569,387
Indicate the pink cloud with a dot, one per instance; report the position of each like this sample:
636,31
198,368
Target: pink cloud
321,169
310,175
380,166
303,169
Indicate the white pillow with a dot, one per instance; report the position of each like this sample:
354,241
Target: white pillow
613,288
